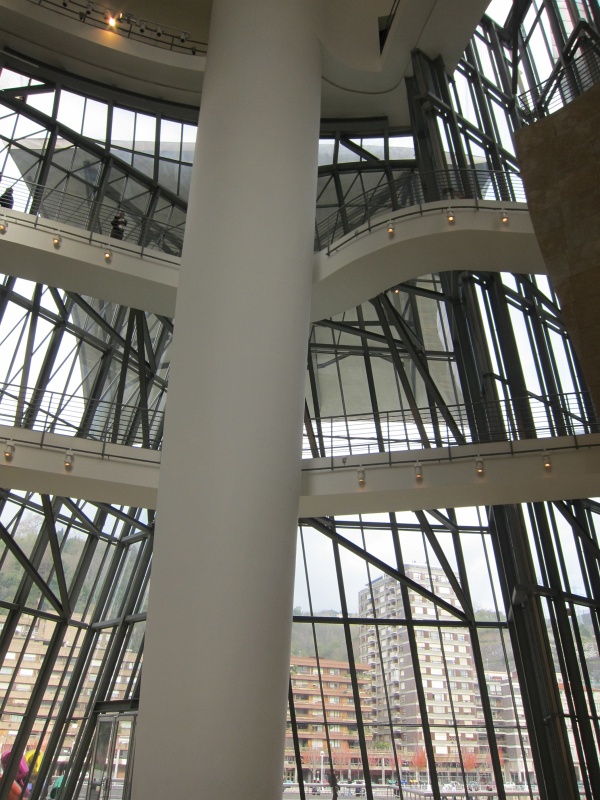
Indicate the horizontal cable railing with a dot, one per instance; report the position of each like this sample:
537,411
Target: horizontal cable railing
568,82
474,423
74,415
413,189
165,36
57,206
54,205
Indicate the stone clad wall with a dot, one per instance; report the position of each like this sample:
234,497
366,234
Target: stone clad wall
559,159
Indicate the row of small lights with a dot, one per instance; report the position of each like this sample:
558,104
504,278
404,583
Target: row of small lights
451,216
479,469
112,20
9,454
57,241
361,476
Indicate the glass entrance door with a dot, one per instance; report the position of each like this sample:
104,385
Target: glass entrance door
112,758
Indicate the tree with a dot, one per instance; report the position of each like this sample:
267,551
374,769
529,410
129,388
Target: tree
418,760
469,761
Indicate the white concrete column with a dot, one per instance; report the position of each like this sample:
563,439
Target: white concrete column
216,663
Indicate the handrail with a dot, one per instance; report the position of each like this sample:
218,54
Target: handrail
54,205
77,416
570,78
144,30
412,189
531,417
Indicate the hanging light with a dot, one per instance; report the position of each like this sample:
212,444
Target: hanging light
391,228
9,450
451,217
418,471
360,475
504,217
56,241
68,460
479,465
547,462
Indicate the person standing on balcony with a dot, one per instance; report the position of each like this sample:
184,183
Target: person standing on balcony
117,226
7,198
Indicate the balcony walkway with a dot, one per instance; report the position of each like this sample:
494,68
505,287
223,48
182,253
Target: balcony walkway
71,248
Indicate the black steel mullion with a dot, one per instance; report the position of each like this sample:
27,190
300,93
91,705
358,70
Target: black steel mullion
56,554
461,596
353,673
533,658
400,371
420,364
30,570
143,377
371,382
125,365
297,753
314,390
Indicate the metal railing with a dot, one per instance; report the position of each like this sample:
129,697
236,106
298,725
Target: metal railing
531,417
156,34
575,73
413,189
74,415
55,205
568,82
132,424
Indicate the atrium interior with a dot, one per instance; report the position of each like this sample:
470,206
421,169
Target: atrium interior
358,550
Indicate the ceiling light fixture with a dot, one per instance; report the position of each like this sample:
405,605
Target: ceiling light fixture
107,254
479,465
69,460
547,462
142,26
9,450
56,241
418,471
451,217
390,228
360,474
504,217
111,21
3,226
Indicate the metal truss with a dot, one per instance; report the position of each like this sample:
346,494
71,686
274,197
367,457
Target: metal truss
74,575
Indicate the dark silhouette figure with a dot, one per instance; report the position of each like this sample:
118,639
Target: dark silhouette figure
117,226
7,199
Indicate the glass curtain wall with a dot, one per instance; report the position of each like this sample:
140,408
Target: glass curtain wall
444,648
